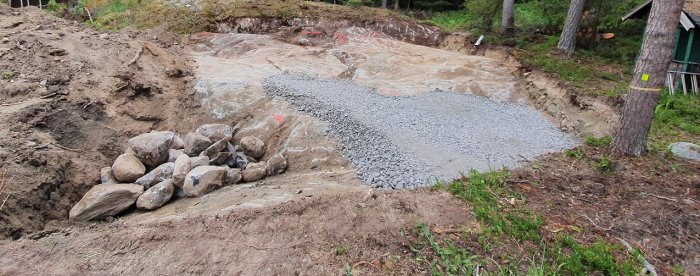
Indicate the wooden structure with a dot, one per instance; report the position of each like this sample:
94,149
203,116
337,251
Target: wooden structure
685,69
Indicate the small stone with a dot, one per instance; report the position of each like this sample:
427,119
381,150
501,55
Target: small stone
215,149
216,132
178,142
199,161
233,176
127,168
156,196
183,165
195,143
173,154
5,39
107,176
276,165
254,172
104,36
203,180
152,148
129,150
157,175
253,146
105,200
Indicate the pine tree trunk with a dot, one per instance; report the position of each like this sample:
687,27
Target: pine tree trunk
396,5
385,3
649,78
567,41
508,20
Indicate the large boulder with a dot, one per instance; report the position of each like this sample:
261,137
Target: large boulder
254,172
686,150
107,176
276,165
152,148
127,168
216,148
196,143
252,146
216,132
203,180
104,201
183,165
157,175
156,196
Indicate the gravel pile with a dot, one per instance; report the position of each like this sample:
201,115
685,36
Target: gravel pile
406,142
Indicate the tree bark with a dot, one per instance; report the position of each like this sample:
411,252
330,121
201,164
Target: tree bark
567,41
649,78
385,4
508,20
396,5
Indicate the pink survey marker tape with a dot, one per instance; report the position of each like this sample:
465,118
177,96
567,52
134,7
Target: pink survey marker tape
389,92
279,118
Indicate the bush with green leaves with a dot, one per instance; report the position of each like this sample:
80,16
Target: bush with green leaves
55,8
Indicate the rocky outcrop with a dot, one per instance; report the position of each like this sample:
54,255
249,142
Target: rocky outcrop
213,166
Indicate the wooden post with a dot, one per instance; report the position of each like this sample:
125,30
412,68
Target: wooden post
688,49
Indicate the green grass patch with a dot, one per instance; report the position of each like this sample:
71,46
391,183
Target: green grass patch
449,260
574,154
452,21
676,118
480,191
599,142
561,256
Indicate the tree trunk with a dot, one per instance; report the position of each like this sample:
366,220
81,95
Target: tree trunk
508,20
396,5
567,41
385,3
649,78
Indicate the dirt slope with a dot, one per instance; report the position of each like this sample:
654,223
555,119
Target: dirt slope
70,98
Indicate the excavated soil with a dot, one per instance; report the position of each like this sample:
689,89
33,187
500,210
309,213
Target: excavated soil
70,97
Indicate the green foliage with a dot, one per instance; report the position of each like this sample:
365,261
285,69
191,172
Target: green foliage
341,250
7,75
485,14
348,270
449,260
599,142
55,8
483,191
597,258
677,112
452,21
547,16
358,3
605,164
574,154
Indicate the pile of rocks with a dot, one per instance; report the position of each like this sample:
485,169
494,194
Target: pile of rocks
161,165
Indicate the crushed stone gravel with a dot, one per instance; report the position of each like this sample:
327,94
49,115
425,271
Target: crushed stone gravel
412,141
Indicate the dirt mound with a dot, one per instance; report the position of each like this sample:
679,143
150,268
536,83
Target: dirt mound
70,97
314,235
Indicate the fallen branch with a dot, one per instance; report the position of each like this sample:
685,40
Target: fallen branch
596,225
5,182
371,263
663,197
48,96
138,55
648,268
65,148
89,15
